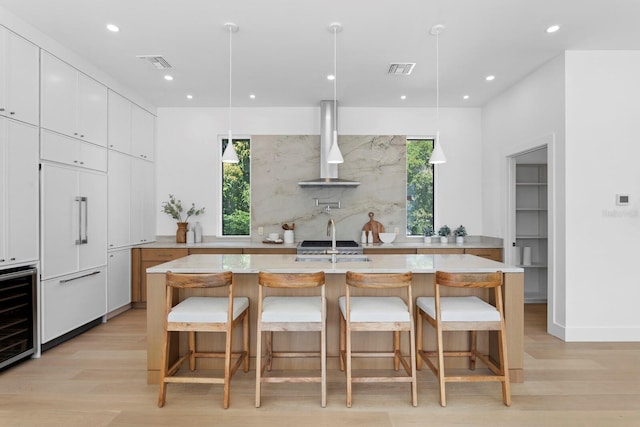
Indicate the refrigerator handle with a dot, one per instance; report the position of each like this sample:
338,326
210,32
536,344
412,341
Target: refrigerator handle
82,220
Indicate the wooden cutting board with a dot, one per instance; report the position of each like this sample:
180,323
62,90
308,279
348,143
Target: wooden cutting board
375,227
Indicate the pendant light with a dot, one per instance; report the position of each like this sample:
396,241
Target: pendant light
437,155
230,155
335,156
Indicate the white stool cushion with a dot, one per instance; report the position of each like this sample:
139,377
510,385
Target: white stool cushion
206,309
292,309
375,309
460,309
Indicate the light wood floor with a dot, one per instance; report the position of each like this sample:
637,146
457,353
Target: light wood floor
99,379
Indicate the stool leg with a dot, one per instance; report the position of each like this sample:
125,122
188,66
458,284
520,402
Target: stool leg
323,363
504,365
396,350
245,340
473,335
227,365
414,379
418,340
441,381
343,344
192,350
269,346
348,361
162,394
258,363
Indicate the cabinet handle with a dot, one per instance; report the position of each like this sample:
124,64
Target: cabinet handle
75,133
79,277
2,260
12,112
12,259
111,256
81,136
81,200
1,109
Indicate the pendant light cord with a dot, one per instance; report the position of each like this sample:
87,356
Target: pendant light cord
438,80
335,81
230,80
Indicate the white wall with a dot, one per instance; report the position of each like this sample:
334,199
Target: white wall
602,149
526,115
188,166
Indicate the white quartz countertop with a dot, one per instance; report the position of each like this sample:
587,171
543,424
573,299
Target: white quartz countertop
239,264
470,243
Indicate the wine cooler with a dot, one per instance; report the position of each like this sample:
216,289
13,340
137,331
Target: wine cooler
17,314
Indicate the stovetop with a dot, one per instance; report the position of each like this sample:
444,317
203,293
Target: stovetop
327,244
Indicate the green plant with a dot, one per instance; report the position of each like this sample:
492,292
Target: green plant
174,209
427,231
460,231
444,231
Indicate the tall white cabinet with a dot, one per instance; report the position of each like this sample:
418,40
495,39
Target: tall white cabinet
18,193
19,77
531,228
73,103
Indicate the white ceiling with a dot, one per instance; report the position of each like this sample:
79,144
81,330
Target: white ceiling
284,50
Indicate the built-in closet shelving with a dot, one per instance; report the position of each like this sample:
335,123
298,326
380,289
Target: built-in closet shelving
531,228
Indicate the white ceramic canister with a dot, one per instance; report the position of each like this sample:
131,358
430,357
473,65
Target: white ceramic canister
288,236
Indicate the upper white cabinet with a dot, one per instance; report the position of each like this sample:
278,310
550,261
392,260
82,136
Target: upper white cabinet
61,149
19,81
72,103
131,128
119,123
119,180
18,192
143,207
143,127
74,220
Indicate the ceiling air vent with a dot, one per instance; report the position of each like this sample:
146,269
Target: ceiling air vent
156,60
401,68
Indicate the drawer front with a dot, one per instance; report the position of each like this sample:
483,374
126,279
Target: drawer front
494,254
438,251
163,254
389,251
72,301
277,251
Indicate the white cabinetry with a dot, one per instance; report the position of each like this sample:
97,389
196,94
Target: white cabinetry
18,192
531,228
72,103
19,82
71,301
119,123
61,149
118,279
143,207
119,199
74,220
143,126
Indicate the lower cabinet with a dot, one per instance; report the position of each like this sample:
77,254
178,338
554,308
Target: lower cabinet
141,259
69,302
118,279
494,254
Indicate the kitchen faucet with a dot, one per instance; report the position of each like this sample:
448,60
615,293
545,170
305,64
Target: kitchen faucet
331,230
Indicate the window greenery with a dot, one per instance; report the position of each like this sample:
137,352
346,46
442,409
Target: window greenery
236,191
420,186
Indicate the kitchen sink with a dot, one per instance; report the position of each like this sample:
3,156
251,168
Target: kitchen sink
327,258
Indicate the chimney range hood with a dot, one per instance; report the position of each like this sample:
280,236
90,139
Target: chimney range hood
328,172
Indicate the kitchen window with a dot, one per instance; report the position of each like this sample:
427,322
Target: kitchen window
420,185
236,190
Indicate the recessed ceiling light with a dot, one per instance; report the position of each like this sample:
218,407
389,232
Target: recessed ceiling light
252,96
490,78
168,77
465,97
553,28
189,96
403,96
113,28
331,77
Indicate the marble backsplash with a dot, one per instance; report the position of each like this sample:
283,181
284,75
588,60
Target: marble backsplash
279,162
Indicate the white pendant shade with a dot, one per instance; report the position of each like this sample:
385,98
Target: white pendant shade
230,155
335,156
437,155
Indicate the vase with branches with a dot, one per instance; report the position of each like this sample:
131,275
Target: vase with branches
175,210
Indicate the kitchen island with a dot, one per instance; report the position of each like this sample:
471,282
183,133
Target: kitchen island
423,267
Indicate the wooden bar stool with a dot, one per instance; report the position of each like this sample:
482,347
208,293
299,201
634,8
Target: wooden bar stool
287,314
203,314
378,313
464,313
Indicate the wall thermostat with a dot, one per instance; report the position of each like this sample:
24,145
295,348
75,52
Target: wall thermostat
622,199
